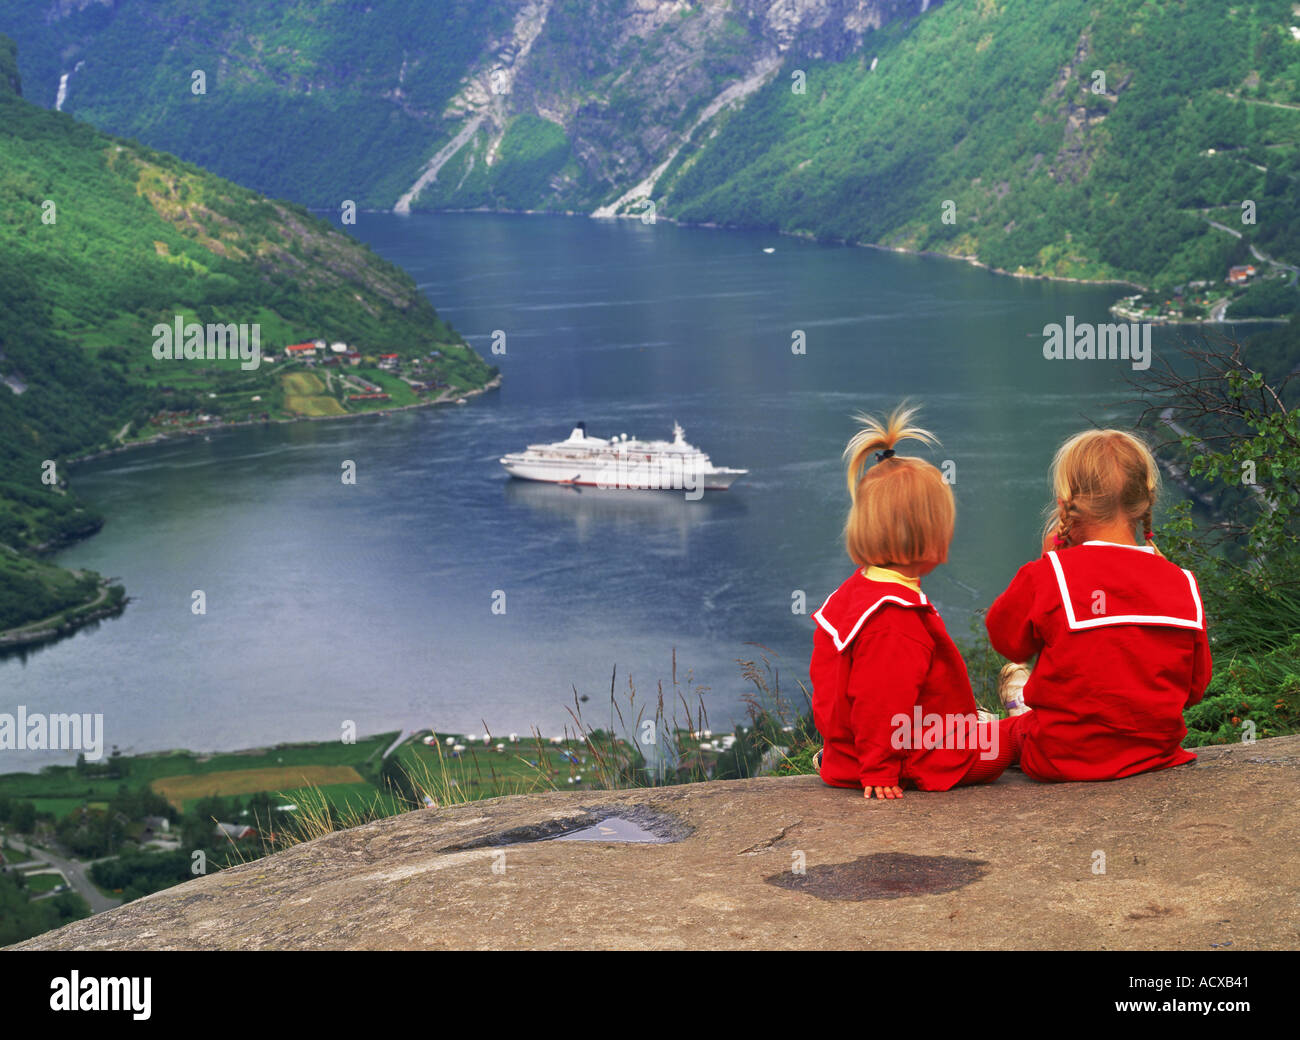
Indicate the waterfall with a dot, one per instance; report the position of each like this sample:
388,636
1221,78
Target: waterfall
63,87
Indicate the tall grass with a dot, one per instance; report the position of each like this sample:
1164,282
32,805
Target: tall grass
650,742
1259,620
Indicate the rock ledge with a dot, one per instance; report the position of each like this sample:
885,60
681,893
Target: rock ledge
1197,857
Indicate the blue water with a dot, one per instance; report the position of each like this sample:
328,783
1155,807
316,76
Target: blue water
373,603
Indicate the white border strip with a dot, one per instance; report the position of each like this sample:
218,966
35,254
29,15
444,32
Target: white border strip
1127,619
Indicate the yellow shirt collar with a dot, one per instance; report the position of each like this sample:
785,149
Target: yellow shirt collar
874,573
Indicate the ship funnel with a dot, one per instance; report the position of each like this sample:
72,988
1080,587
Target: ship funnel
579,432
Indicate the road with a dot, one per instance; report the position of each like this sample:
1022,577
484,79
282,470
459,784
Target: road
1217,313
397,743
75,871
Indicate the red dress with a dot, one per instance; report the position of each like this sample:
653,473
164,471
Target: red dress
1122,651
880,655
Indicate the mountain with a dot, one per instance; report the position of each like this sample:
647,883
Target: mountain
359,97
103,241
1100,140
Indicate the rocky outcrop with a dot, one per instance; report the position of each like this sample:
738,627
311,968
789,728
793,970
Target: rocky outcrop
1203,856
1076,86
630,90
623,84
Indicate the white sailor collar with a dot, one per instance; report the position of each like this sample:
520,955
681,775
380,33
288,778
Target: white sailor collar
847,609
1145,589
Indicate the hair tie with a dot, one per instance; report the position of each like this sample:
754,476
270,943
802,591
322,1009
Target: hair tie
888,453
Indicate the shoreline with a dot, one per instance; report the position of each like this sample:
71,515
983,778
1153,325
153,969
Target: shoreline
806,236
401,736
19,638
159,438
43,630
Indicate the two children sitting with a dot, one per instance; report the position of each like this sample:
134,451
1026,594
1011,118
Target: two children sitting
1118,631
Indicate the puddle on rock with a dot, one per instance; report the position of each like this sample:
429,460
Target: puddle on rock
614,828
637,824
883,875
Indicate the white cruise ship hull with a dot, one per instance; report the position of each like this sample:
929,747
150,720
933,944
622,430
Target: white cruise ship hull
621,463
621,476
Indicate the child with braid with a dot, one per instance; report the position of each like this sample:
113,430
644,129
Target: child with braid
1119,630
891,696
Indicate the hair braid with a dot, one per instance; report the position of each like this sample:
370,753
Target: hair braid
1064,519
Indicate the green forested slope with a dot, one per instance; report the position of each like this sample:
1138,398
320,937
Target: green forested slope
990,105
100,240
987,104
313,100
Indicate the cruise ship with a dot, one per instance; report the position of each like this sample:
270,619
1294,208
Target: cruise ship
621,462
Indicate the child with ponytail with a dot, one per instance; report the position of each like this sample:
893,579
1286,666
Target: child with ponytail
891,696
1119,630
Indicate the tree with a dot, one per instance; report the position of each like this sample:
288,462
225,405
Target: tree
23,817
1230,430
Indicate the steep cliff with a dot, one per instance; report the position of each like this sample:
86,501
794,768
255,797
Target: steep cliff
559,104
1062,137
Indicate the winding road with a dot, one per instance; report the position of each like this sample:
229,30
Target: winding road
75,871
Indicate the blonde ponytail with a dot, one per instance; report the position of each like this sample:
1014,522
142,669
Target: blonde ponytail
873,437
903,510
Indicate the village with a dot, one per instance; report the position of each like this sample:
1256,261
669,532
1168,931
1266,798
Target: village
307,377
339,355
1195,301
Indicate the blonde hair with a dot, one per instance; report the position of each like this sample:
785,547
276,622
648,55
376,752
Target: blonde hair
1099,476
903,510
1010,671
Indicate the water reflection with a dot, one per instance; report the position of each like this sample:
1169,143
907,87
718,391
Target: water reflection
596,511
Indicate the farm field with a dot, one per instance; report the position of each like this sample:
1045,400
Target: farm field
305,393
180,789
68,789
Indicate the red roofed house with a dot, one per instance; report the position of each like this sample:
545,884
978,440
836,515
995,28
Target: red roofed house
298,350
1238,275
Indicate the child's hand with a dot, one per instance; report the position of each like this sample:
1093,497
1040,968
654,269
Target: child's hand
883,792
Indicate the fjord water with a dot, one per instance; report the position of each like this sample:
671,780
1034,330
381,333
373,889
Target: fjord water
373,603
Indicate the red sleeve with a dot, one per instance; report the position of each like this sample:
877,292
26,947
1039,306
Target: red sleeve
885,679
1202,669
1009,621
